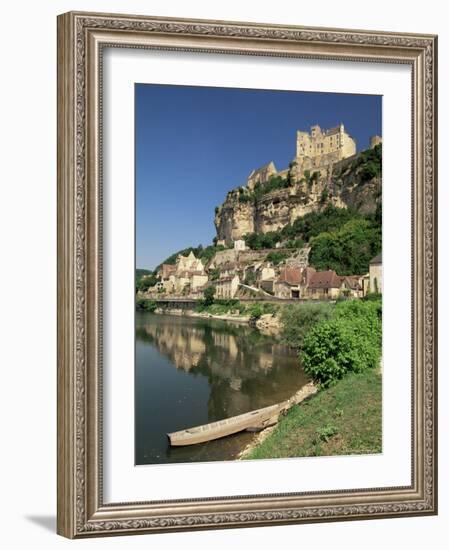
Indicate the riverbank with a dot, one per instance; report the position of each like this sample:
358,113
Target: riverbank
343,419
267,323
234,317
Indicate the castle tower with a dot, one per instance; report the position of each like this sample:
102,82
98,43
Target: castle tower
320,147
374,140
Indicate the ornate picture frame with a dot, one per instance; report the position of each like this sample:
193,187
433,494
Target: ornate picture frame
82,38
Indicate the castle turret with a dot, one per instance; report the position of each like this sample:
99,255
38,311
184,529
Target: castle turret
374,140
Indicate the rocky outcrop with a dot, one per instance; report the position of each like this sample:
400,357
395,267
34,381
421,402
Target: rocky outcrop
269,324
345,185
234,219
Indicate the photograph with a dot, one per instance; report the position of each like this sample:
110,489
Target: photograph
258,274
247,273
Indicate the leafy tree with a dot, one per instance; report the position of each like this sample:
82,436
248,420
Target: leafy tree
209,294
294,243
141,272
370,163
349,342
347,250
145,305
146,282
276,257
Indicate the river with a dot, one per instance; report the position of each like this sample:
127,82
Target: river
192,371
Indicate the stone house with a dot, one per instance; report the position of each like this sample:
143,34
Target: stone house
375,274
165,271
288,283
324,285
228,269
239,244
351,286
188,274
267,272
226,287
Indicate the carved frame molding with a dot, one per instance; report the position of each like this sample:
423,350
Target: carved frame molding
81,39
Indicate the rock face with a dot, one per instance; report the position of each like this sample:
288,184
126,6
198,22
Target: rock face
269,324
343,186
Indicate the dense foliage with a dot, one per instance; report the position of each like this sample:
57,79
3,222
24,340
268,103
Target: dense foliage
256,310
144,279
349,249
276,257
312,224
369,163
341,239
141,272
259,241
348,342
297,319
145,305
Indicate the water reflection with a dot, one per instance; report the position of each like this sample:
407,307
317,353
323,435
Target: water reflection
193,371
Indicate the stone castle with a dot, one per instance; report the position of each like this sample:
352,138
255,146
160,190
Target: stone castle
321,171
323,147
317,150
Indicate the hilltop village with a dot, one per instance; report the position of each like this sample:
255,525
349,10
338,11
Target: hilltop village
311,231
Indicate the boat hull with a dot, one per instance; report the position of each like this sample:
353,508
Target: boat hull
253,420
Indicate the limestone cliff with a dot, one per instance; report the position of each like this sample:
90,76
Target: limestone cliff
347,183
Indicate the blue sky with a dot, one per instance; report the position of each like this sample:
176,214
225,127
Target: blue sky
194,144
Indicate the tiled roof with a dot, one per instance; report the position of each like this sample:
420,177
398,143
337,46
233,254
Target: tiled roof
352,282
290,275
325,279
262,168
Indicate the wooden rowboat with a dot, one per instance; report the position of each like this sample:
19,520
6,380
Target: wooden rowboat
253,420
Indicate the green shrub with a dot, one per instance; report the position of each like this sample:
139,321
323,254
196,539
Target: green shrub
145,282
349,342
294,243
208,298
145,305
372,296
256,310
326,432
276,257
297,319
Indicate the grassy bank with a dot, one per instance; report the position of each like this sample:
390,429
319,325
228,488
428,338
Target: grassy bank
343,419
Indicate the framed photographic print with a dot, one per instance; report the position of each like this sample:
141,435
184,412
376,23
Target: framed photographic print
246,274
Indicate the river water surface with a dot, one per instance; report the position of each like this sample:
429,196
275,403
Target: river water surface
192,371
